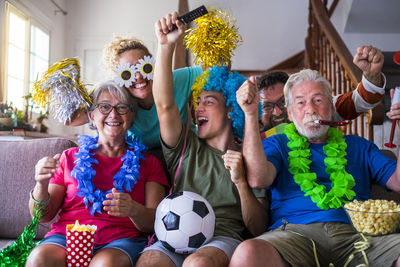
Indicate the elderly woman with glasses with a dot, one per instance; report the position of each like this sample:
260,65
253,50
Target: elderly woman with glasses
107,181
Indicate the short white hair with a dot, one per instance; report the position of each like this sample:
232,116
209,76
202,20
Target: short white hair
302,76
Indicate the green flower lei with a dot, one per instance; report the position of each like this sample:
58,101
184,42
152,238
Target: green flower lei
335,162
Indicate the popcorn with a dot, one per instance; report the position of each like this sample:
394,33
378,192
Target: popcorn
80,239
81,227
377,217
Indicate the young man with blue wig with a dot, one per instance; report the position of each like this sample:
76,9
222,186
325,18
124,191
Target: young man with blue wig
212,163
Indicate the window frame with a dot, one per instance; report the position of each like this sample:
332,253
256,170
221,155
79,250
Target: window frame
37,25
30,21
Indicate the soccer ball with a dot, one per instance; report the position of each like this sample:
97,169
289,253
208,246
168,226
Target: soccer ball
184,222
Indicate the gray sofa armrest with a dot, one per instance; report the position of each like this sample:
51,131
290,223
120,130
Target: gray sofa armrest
17,169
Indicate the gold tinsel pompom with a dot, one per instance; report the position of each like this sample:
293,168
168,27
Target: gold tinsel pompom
198,85
213,40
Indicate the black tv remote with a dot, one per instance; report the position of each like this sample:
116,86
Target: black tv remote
190,16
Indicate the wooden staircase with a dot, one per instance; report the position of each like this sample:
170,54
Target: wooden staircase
326,52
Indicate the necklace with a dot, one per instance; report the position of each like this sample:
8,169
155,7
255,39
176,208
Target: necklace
83,172
335,162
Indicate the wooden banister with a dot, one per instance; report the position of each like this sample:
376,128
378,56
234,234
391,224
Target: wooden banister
334,40
332,7
327,53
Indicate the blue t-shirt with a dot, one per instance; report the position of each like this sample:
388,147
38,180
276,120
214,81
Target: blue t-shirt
146,126
364,161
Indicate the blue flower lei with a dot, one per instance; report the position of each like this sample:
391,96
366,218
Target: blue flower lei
83,172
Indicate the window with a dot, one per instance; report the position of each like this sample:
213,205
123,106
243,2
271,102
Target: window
27,55
39,54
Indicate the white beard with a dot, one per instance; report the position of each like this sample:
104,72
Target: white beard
313,130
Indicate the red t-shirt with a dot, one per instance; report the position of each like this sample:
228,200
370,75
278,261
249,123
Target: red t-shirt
109,228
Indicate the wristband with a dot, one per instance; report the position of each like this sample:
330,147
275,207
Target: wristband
40,203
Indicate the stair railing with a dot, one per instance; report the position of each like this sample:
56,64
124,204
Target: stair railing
326,52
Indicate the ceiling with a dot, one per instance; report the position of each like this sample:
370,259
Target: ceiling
372,16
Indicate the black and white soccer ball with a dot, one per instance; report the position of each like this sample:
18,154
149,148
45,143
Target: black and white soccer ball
184,222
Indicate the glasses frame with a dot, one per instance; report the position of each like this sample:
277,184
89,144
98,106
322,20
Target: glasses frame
280,103
114,107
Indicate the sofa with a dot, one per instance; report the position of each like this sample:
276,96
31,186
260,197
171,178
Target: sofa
17,170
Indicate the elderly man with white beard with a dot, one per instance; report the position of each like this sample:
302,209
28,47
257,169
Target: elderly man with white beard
311,171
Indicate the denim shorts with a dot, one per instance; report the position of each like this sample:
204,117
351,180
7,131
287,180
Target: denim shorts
131,247
226,244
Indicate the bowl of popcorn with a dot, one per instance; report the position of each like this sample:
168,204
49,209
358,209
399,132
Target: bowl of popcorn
375,217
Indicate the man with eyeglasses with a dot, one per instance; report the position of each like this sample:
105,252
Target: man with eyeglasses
348,106
272,99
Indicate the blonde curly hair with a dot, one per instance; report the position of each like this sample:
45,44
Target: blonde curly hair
120,45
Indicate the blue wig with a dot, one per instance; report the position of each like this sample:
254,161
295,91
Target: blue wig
220,80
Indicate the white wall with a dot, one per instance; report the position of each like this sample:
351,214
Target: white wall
385,42
269,36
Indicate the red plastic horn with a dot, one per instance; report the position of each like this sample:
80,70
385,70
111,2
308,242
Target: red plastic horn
396,58
390,144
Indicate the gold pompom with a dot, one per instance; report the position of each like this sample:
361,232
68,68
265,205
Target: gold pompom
213,40
198,85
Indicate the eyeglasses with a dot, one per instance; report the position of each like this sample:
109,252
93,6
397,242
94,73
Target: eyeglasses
106,109
269,106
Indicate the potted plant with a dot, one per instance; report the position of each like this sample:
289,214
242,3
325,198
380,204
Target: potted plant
6,115
41,126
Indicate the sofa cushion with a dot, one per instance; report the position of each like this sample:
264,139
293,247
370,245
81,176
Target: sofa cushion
17,170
